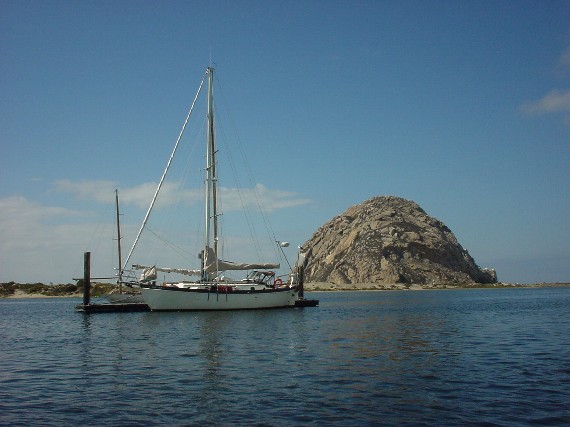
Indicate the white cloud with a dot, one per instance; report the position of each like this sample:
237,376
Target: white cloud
139,196
564,60
556,101
98,191
46,243
269,200
40,243
171,193
553,102
19,214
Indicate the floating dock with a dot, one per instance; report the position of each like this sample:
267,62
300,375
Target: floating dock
112,308
134,307
306,303
88,307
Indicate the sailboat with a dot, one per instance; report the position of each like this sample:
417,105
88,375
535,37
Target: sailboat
122,295
260,289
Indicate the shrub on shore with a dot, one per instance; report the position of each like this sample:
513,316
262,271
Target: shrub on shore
67,289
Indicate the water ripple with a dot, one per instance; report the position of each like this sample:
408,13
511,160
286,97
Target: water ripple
489,357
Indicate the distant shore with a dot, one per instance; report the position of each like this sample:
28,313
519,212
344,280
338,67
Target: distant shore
40,290
23,294
318,286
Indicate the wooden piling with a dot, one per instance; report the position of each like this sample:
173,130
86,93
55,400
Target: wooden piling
87,307
86,278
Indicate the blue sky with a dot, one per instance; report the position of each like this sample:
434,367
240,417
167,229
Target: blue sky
463,107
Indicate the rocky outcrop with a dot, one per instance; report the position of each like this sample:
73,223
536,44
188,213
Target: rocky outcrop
389,240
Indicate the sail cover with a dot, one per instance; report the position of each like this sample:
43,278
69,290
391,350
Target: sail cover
213,264
149,273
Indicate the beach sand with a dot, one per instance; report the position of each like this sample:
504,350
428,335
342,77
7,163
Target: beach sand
21,294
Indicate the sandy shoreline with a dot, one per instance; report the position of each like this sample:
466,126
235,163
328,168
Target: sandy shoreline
21,294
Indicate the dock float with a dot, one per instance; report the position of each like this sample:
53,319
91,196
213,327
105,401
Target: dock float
88,307
112,308
306,303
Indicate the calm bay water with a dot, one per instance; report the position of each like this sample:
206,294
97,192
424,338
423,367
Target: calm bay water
461,357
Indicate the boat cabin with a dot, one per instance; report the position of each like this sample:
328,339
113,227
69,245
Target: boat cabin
261,277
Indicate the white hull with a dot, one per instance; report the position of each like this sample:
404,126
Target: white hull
178,299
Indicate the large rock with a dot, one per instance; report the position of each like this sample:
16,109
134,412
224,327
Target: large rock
389,240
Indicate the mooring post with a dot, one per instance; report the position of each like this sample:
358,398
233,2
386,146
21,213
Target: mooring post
86,278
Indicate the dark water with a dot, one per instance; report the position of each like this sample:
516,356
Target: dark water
463,357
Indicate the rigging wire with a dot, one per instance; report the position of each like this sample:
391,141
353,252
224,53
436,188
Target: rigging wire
242,197
169,221
250,176
164,174
178,249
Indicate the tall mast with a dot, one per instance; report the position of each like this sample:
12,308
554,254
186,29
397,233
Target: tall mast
214,182
211,184
119,241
